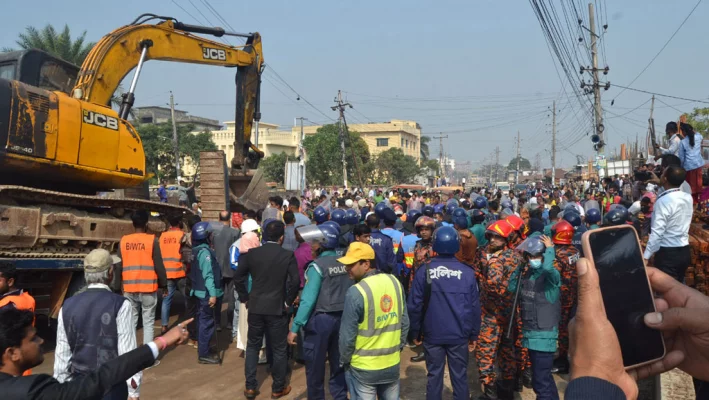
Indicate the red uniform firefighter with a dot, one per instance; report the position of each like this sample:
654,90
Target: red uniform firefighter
423,253
524,365
565,263
497,262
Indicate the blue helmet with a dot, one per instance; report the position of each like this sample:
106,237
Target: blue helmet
331,236
465,203
459,212
593,216
438,208
332,224
320,214
427,211
506,204
379,208
201,231
573,218
450,207
480,202
412,216
446,241
339,216
477,216
352,217
533,246
616,216
460,221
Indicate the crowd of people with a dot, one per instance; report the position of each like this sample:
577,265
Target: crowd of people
348,279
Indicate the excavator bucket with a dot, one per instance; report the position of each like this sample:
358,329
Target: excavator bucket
248,191
223,188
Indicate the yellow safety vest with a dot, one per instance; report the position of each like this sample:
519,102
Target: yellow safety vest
379,338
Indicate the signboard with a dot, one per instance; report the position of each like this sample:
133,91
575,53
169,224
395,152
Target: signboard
619,168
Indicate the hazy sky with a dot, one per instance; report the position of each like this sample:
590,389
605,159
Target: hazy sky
478,70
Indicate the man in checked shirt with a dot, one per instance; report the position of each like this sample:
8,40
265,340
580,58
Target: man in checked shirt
95,326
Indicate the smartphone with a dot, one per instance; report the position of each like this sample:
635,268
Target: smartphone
626,291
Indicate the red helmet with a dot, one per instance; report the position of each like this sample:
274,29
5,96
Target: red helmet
500,228
518,224
425,222
562,233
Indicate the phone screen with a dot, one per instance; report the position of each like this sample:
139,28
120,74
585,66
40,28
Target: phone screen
626,293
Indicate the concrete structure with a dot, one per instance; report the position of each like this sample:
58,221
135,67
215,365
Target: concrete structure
405,135
159,115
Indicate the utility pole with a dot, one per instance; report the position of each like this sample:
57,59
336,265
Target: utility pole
301,151
175,144
553,143
497,163
441,162
489,180
517,171
596,86
340,106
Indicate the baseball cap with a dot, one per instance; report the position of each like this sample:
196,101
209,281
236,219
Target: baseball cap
99,260
362,202
356,252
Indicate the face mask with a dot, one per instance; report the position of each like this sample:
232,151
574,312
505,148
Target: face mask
535,264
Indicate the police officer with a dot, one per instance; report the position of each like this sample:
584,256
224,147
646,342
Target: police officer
574,218
321,215
382,245
319,314
593,218
405,255
616,216
445,290
206,277
408,225
142,273
339,216
477,226
390,219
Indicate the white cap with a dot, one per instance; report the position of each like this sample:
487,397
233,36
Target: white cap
249,225
349,203
650,187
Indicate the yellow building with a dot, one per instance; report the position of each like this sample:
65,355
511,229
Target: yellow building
270,141
405,135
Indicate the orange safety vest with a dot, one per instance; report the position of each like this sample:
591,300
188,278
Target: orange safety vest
138,268
170,243
22,301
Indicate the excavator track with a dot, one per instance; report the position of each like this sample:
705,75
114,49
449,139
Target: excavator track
40,224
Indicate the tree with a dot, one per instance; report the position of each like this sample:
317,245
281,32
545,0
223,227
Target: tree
699,119
394,167
524,164
431,165
423,147
325,157
159,151
55,43
274,167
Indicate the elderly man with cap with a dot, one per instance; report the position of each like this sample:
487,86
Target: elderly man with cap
95,326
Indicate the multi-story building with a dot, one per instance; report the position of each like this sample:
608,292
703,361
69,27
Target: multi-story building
160,115
382,136
271,140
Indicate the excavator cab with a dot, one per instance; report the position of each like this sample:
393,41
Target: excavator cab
39,69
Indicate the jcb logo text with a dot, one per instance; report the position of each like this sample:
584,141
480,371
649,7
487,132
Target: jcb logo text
213,54
101,120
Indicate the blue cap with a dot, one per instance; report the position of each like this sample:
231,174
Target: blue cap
446,241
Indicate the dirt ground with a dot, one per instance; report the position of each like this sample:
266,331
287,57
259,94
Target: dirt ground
180,376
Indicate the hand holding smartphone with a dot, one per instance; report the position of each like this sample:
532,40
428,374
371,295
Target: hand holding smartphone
625,288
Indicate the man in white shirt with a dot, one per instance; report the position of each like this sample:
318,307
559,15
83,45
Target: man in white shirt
672,214
674,140
95,326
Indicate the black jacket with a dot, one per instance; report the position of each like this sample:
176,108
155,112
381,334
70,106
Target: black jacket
92,386
275,279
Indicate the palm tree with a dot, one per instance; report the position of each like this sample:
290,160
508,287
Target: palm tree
57,44
423,146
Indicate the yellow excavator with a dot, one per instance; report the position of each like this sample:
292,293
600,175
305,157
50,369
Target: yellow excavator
63,143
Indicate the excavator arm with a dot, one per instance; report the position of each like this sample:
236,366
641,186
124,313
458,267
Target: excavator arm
130,46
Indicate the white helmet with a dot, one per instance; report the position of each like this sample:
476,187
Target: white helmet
250,225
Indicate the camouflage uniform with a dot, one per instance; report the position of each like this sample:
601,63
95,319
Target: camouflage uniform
423,253
496,304
565,263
